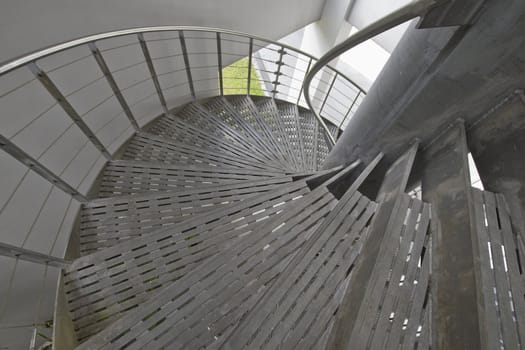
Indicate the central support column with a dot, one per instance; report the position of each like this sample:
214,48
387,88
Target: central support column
456,301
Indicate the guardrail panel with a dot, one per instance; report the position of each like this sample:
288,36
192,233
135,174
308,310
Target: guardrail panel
202,54
21,87
127,64
167,58
82,82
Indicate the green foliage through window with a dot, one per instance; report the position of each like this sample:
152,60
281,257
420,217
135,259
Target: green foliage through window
235,79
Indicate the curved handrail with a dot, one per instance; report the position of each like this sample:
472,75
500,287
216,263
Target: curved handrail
39,54
412,10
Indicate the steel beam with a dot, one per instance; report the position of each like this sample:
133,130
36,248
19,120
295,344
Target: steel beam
250,52
68,108
152,71
186,62
29,255
219,63
113,84
19,154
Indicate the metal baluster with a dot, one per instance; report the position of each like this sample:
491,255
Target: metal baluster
152,71
302,86
186,62
219,62
68,108
279,65
327,94
347,113
19,154
29,255
250,65
113,84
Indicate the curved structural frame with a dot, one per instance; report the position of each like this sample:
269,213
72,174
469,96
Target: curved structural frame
414,9
90,95
324,87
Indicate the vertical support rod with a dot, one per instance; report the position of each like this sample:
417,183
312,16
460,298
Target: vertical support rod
20,155
349,109
279,65
152,71
219,63
186,62
68,108
315,152
250,52
33,256
302,85
113,84
328,93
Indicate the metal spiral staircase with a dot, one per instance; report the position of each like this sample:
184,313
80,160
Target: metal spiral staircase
211,212
217,229
210,220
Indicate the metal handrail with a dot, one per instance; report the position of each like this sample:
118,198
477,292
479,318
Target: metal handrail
412,10
30,255
90,42
39,54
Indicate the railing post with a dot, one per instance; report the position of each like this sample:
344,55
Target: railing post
68,108
113,84
349,109
219,62
250,52
20,155
29,255
186,62
328,93
152,71
302,86
279,65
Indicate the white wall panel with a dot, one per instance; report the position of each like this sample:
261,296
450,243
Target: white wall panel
91,175
40,23
80,166
71,72
7,266
121,139
38,136
22,105
66,227
112,130
11,172
62,153
46,227
104,114
18,216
